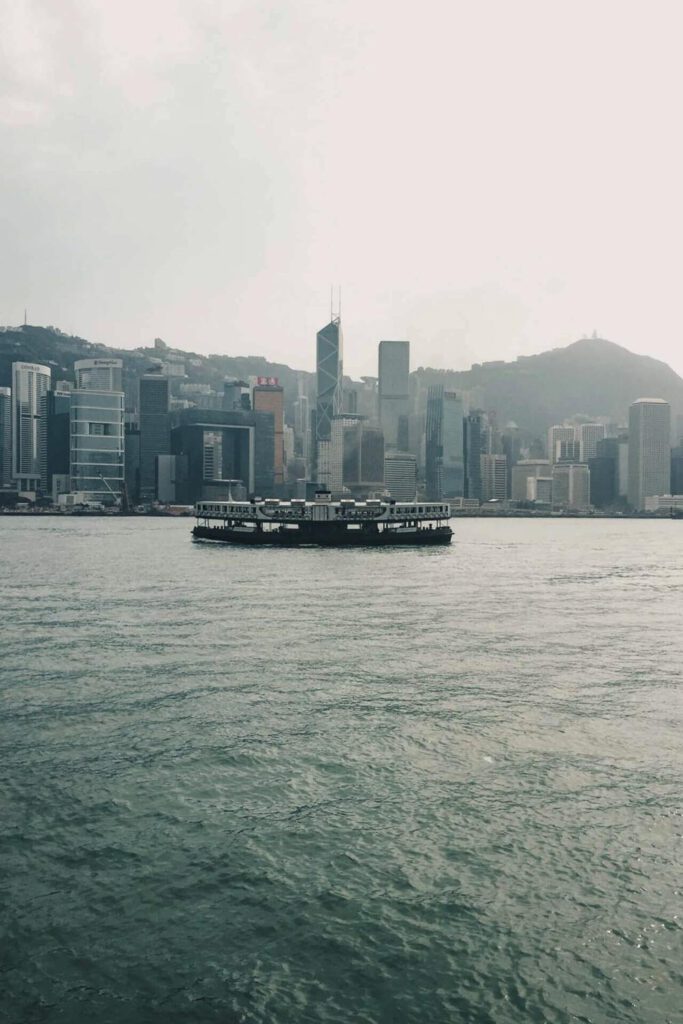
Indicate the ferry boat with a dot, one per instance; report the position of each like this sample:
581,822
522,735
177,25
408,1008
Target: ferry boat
323,522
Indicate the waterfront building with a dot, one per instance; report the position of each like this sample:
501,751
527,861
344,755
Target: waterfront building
667,503
571,486
556,435
400,475
166,479
96,431
58,438
604,471
5,438
444,454
677,469
155,437
363,458
649,431
394,392
131,452
269,397
524,470
464,504
30,385
493,477
472,442
588,435
215,448
539,490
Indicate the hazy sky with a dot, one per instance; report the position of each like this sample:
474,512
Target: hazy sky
484,178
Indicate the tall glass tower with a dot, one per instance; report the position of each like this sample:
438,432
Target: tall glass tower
30,385
394,392
444,456
155,430
5,437
329,367
97,430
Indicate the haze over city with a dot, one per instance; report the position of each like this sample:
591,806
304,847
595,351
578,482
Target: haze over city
486,180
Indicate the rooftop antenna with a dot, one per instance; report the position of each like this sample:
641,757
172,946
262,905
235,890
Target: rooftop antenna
24,317
331,303
339,313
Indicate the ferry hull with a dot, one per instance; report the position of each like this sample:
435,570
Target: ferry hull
325,536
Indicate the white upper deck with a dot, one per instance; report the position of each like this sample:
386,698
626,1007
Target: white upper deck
324,511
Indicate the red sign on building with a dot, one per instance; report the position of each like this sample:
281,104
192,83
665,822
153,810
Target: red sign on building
268,381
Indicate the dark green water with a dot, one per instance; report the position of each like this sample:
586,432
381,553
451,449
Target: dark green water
319,786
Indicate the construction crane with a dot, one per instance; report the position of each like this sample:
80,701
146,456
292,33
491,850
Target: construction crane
117,497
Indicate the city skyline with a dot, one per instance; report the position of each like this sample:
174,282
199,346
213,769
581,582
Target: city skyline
148,435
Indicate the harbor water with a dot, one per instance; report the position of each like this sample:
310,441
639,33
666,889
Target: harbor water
363,786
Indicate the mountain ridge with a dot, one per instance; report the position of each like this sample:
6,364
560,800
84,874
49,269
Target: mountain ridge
590,377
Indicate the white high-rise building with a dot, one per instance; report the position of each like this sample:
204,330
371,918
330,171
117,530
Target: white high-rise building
525,470
30,385
99,374
571,486
588,435
649,450
97,430
336,476
400,475
556,435
493,477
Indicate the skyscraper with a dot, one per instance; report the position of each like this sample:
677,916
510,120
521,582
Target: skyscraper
155,435
571,486
216,448
493,477
270,398
394,392
557,434
677,469
588,435
97,430
472,439
329,367
363,467
525,470
604,470
30,385
5,437
340,423
649,452
99,374
444,455
58,438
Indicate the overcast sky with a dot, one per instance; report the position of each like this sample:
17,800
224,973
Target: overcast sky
484,178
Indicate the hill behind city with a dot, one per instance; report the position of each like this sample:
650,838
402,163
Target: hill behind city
591,377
